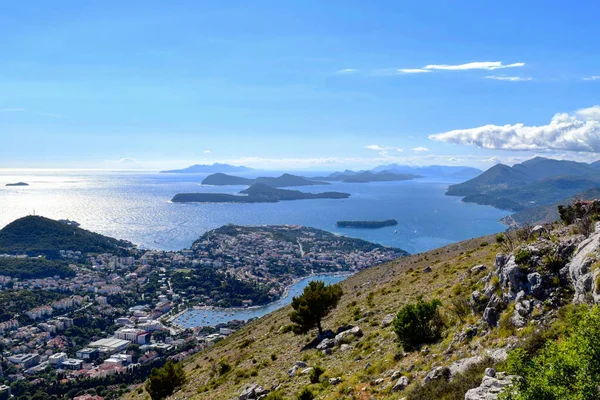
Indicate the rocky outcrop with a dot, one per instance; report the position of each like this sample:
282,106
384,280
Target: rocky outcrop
402,383
579,269
491,386
253,391
347,336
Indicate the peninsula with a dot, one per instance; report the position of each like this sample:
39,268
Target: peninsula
366,224
257,193
18,184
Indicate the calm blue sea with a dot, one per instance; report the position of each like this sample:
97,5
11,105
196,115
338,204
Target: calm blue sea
136,206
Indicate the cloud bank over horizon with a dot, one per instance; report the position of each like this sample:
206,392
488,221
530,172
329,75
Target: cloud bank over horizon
577,132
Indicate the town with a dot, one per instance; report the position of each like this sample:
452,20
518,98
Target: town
112,321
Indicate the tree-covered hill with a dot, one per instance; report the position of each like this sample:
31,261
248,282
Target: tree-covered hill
35,235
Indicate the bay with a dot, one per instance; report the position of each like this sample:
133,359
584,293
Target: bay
136,206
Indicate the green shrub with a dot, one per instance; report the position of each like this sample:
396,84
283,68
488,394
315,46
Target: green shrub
418,323
315,374
163,381
306,394
274,396
567,368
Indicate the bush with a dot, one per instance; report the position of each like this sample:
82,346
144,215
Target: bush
418,323
315,374
163,381
306,394
567,368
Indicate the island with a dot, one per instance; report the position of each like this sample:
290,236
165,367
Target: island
18,184
284,180
256,193
366,224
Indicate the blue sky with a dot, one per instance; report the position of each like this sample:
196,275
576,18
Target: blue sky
290,84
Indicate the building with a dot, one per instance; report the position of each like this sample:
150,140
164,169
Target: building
88,354
25,360
72,363
150,325
57,359
109,345
4,392
137,336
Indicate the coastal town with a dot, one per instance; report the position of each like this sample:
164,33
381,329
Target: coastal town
113,319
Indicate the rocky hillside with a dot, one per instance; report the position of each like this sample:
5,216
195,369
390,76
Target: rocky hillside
507,296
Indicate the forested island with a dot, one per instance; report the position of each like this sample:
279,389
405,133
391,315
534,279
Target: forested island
366,224
17,184
284,180
257,193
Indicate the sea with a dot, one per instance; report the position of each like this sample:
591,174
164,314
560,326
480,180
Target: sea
137,206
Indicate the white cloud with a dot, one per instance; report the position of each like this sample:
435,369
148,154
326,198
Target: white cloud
592,78
508,78
346,71
420,149
400,150
486,65
207,151
11,109
377,147
413,70
579,131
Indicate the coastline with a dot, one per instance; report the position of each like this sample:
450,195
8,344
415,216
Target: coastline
285,293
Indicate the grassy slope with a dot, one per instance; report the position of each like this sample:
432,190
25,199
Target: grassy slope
388,286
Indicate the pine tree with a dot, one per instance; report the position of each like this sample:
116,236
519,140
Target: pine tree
313,305
163,381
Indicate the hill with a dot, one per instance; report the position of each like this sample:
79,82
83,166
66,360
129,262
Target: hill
207,169
35,235
514,295
284,180
547,213
539,181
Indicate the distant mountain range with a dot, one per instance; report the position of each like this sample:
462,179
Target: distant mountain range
284,180
431,170
367,176
207,169
539,181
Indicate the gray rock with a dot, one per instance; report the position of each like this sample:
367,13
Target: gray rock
478,268
490,372
367,365
402,383
490,387
388,319
476,296
395,375
253,391
538,230
301,364
378,381
326,351
490,316
306,371
345,347
325,344
347,336
579,266
292,371
437,373
427,269
511,275
335,381
462,365
535,285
